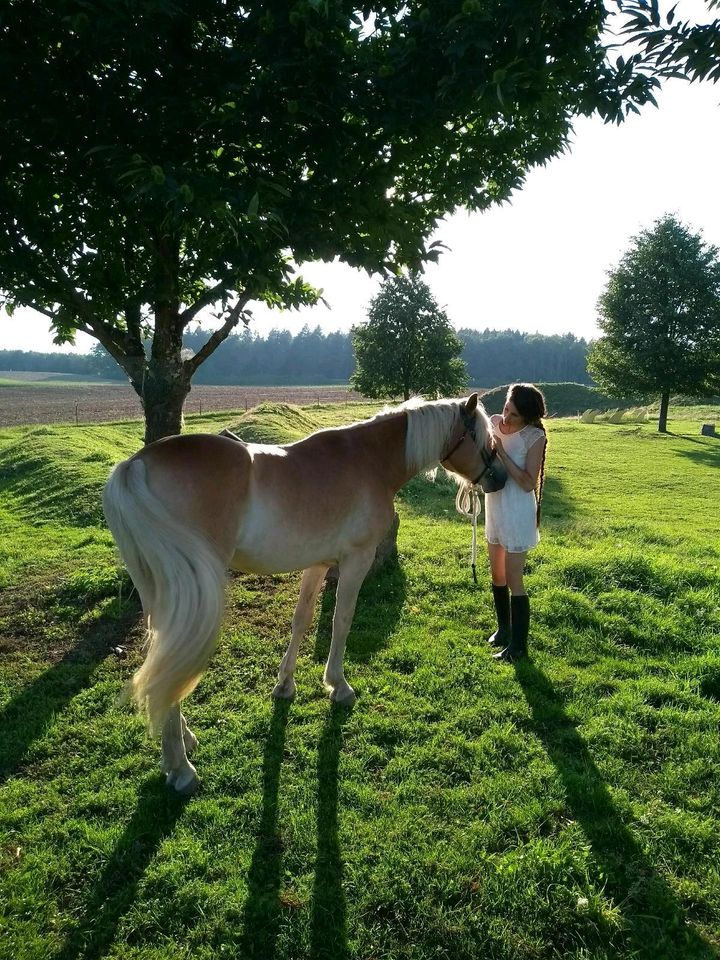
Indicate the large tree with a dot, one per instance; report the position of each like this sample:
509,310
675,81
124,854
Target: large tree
161,157
407,345
671,47
660,318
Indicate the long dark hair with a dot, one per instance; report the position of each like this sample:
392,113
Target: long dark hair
530,404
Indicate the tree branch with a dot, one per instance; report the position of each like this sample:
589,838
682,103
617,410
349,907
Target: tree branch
61,278
204,300
218,336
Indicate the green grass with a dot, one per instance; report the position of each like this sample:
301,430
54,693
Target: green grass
565,808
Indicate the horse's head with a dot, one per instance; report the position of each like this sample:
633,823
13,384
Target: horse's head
470,455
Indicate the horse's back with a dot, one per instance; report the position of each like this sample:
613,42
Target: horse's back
203,477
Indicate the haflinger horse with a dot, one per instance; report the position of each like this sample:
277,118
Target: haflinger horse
184,509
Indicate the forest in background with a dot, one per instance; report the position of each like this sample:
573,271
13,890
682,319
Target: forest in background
492,357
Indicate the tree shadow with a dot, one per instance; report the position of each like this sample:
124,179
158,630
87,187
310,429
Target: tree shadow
157,811
328,937
435,500
379,605
655,923
707,456
261,915
26,717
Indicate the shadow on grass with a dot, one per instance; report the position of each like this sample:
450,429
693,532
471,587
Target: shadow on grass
328,919
706,456
381,600
157,811
655,923
26,717
261,916
435,500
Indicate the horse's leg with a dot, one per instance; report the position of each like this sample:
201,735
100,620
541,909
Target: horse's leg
312,579
189,738
352,572
180,772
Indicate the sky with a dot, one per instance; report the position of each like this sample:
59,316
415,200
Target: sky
539,262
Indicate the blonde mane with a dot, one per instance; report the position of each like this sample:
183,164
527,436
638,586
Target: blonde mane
430,426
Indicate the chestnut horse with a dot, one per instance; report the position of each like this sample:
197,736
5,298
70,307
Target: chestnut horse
184,509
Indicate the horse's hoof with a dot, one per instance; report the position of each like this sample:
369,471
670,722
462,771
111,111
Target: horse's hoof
284,690
343,698
185,782
190,741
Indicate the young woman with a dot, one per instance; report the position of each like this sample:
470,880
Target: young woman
512,514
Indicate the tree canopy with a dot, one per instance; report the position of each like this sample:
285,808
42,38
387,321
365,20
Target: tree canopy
660,318
160,157
407,345
671,47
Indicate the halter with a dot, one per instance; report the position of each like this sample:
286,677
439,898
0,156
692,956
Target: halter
470,505
469,423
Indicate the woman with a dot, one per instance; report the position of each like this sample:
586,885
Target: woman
512,514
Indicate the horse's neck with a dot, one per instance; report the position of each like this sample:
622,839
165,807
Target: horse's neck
385,438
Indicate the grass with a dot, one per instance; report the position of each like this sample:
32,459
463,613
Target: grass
565,808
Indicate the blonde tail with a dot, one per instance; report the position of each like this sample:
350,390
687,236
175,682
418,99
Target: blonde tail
181,581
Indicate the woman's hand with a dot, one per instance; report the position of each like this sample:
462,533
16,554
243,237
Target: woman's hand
497,446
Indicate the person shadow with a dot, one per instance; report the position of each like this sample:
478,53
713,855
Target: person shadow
655,923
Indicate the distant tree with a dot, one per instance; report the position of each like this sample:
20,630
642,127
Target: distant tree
407,345
160,158
495,357
660,318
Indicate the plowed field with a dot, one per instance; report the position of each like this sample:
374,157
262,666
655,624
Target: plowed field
88,403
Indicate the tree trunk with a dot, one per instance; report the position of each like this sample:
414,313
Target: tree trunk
664,404
163,398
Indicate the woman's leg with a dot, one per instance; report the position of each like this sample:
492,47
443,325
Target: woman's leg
519,609
501,596
497,555
514,568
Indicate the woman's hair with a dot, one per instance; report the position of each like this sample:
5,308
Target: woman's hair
530,404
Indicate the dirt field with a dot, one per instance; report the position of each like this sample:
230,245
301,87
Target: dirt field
93,403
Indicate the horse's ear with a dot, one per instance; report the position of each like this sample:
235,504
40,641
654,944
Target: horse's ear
471,404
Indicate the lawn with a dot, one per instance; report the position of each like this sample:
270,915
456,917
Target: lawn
564,808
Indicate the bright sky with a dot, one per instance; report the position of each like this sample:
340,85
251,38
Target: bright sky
538,263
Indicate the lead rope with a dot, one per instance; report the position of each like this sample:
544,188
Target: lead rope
467,503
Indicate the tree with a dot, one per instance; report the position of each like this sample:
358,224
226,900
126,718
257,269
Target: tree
670,47
660,318
407,345
161,158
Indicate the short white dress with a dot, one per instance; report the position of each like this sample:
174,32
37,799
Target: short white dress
511,513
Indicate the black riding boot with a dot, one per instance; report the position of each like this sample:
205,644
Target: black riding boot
520,627
501,637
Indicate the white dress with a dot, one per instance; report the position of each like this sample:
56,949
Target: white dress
511,513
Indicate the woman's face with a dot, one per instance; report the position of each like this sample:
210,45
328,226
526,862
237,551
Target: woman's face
511,418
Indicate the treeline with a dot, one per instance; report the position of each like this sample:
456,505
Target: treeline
492,357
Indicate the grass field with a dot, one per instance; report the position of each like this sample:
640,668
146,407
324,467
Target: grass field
565,808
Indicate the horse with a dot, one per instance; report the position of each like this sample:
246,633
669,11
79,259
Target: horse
184,509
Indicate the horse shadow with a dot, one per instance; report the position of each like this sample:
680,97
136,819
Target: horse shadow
262,914
378,609
654,919
262,911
